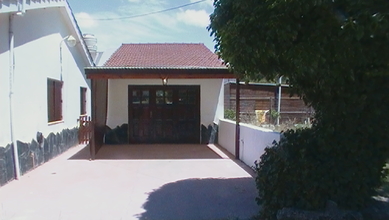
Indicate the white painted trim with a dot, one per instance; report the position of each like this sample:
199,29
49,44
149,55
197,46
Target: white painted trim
12,6
55,122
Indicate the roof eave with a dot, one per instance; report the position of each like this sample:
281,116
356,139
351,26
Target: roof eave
74,24
158,73
12,7
260,84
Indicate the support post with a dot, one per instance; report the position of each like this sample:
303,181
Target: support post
237,119
279,100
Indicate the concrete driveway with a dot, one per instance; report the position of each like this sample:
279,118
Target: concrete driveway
134,182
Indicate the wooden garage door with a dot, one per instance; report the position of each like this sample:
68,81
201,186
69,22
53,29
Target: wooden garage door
164,114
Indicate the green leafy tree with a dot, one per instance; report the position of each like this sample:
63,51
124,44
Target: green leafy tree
335,54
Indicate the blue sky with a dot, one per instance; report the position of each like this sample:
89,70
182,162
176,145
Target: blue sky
183,25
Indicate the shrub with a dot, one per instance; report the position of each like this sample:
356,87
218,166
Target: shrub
302,171
284,174
344,79
383,190
230,114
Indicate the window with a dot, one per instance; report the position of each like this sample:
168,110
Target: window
140,97
82,101
54,100
164,96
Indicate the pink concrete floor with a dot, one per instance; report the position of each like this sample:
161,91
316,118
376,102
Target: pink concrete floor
134,182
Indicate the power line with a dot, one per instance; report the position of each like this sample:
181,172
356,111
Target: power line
142,15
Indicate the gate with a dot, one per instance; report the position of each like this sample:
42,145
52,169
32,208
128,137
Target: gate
84,130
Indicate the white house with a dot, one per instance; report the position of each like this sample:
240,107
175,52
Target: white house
158,93
43,86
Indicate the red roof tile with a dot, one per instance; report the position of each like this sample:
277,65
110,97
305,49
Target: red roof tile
173,55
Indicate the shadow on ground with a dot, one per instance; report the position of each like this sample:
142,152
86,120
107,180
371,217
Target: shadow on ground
149,152
198,199
83,154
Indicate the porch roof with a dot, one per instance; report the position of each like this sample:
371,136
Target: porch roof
157,73
167,60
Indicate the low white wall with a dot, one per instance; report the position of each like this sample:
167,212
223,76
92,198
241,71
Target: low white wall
253,140
226,136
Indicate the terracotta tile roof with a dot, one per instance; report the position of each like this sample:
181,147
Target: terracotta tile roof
165,55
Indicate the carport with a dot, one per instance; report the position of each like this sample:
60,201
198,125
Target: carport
167,93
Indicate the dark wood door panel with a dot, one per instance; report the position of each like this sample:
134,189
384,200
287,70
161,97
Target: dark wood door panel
164,114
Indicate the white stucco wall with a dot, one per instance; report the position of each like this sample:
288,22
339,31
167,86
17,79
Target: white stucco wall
38,35
227,135
4,79
211,98
253,140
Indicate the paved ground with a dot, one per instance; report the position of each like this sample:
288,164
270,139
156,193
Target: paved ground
134,182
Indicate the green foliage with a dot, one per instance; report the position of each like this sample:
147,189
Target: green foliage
281,181
383,190
301,38
302,172
335,55
229,114
274,114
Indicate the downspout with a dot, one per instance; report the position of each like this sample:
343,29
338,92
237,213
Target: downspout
279,100
11,79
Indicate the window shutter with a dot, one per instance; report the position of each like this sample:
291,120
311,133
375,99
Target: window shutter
58,100
54,100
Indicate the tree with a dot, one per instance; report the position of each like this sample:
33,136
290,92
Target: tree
335,54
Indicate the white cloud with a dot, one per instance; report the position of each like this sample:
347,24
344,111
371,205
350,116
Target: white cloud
174,26
135,7
112,33
199,18
85,20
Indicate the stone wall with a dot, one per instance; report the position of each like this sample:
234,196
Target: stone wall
7,170
119,135
33,154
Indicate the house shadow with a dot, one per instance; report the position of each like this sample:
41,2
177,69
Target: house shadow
203,199
83,154
151,152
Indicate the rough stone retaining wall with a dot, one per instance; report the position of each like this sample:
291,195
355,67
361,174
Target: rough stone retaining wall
32,155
